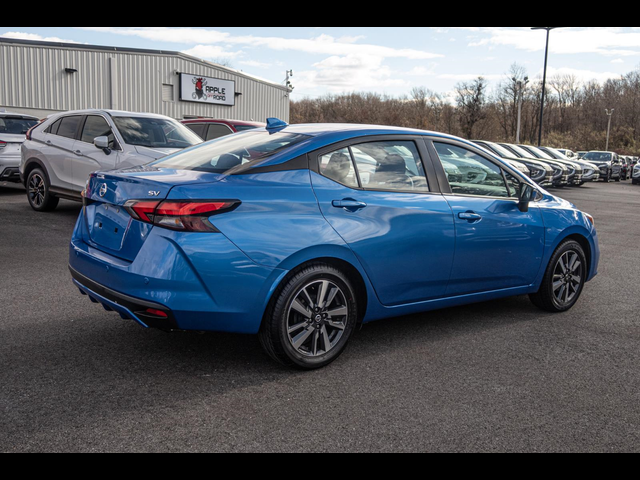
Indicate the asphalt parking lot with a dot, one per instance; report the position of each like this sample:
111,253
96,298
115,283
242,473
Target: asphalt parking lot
500,376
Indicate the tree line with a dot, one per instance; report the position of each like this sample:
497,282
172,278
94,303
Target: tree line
575,112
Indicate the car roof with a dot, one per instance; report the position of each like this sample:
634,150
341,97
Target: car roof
112,113
224,121
18,115
355,130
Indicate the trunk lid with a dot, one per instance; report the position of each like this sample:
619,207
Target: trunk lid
12,144
109,226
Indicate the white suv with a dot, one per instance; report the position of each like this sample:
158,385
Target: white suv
60,154
13,131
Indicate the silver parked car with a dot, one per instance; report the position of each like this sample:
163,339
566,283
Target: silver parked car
13,133
67,148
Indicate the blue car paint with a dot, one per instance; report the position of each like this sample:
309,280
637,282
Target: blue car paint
224,282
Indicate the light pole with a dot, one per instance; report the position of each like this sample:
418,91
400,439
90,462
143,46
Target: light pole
544,81
609,114
521,86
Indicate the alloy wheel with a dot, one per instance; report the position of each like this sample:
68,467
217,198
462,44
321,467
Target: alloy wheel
37,190
317,318
567,278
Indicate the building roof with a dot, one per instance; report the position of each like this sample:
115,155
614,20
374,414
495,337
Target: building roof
102,48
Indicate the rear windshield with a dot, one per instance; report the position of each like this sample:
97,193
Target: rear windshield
244,128
16,126
598,157
155,133
232,151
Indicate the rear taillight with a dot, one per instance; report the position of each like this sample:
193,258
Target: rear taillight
182,216
28,134
3,144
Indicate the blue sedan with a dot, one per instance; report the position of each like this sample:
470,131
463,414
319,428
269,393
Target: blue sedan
302,233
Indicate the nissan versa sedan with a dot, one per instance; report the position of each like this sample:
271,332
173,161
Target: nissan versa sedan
60,153
300,234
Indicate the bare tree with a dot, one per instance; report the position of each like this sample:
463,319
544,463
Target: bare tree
471,99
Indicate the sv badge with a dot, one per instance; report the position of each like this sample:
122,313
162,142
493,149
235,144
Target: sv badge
154,194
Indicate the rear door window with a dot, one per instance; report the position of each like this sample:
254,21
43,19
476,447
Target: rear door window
338,166
390,166
197,128
217,131
69,127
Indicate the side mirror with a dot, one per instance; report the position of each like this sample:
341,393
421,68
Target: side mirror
526,196
103,144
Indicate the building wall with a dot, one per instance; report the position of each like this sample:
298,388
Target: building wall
33,80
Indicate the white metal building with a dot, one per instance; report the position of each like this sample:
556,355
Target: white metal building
40,78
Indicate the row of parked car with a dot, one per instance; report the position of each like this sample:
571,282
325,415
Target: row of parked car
54,157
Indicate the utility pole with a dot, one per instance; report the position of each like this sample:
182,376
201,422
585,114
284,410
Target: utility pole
521,87
544,81
610,115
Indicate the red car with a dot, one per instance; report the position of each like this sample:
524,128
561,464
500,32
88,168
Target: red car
210,129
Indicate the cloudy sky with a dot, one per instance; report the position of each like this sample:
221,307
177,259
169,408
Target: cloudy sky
388,60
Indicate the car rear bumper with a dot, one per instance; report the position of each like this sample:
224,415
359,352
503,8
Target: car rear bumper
202,282
10,174
128,307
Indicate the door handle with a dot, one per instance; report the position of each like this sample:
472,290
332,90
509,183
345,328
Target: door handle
78,153
49,142
349,204
471,217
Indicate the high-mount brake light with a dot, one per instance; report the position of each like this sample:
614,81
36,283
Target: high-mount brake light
182,216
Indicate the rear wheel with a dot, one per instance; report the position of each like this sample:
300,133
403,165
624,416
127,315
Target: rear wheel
564,279
39,192
311,319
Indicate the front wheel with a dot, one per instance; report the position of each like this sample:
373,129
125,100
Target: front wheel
311,319
39,192
564,279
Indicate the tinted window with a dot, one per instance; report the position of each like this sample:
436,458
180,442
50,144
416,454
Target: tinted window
198,129
69,127
392,165
16,126
244,128
231,151
96,127
155,132
217,131
598,157
478,176
53,129
338,166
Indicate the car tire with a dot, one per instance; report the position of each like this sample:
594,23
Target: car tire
39,192
564,279
311,318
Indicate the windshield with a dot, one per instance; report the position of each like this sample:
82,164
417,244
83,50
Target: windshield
503,152
155,132
598,157
16,125
232,151
539,153
520,152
